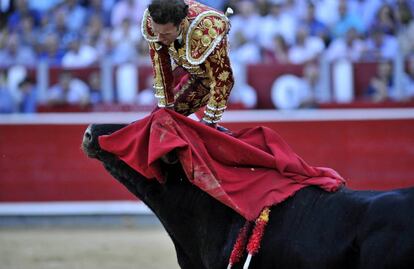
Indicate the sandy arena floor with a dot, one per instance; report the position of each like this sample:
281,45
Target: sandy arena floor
86,249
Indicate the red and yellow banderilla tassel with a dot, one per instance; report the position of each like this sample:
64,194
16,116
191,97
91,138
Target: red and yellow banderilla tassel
240,245
253,245
257,235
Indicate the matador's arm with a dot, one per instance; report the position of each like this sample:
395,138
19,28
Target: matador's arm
163,76
221,82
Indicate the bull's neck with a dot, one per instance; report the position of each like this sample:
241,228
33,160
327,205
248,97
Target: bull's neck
203,230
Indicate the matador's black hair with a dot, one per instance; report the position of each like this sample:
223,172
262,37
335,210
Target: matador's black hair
168,11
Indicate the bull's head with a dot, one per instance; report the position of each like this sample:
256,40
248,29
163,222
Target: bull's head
90,144
127,176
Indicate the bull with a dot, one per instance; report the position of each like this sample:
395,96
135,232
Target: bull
312,229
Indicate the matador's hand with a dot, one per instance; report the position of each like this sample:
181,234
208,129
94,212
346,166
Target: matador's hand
213,125
218,127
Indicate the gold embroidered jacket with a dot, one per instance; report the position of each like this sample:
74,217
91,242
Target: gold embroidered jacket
203,54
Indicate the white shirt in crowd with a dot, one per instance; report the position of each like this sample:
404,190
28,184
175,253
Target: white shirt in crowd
85,56
78,92
339,49
312,47
286,27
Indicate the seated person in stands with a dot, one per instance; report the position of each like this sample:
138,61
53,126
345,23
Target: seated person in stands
6,98
379,46
68,91
408,80
278,53
95,89
27,102
381,87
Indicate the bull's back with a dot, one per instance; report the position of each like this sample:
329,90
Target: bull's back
386,234
317,229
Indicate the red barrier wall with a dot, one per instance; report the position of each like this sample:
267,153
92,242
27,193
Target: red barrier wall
45,163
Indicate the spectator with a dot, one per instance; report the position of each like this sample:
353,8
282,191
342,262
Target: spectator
278,53
405,34
403,14
381,87
312,85
94,31
126,32
365,10
243,34
16,54
327,11
99,37
79,54
379,46
408,3
3,44
307,48
316,27
349,47
50,50
128,9
28,35
55,24
294,8
95,89
6,98
97,9
408,80
385,20
68,90
27,102
125,39
263,7
22,11
286,26
346,21
245,51
75,15
244,24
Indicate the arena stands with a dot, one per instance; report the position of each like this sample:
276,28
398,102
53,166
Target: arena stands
334,53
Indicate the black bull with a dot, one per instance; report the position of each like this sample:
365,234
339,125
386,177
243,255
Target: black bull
312,229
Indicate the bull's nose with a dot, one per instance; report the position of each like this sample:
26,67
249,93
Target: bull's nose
87,143
87,136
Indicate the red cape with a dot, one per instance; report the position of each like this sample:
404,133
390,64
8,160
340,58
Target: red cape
247,172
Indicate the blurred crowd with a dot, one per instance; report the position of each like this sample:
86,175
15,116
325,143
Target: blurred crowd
72,33
82,33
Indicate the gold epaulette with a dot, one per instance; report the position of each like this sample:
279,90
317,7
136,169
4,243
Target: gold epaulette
205,32
146,28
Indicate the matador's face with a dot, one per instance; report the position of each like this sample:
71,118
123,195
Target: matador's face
166,33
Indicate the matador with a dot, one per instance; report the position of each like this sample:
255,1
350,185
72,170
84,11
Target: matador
194,36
